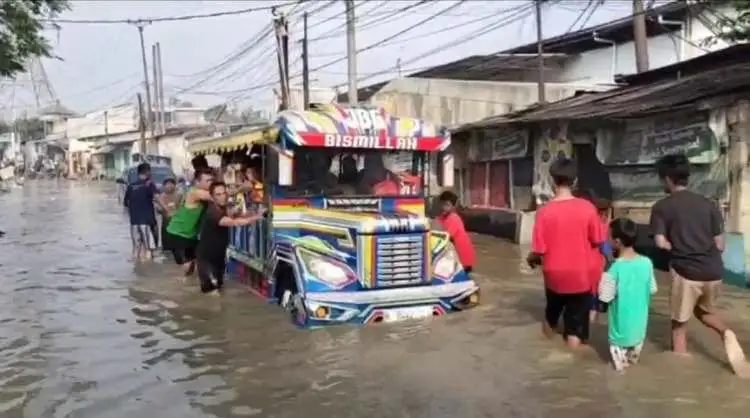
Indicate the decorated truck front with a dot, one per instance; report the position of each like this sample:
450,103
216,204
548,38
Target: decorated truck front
348,239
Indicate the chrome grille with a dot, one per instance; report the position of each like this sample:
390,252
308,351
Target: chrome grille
400,260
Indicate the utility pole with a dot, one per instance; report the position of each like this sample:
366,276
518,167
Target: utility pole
305,68
156,129
351,51
142,127
282,43
639,36
541,88
162,122
145,80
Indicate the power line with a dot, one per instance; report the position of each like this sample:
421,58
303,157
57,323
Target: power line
591,14
399,13
518,13
182,18
580,16
395,35
244,53
252,44
364,26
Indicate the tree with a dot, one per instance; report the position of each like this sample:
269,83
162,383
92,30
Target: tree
731,28
21,27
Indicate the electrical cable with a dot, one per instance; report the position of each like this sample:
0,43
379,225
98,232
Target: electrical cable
265,33
580,16
140,21
518,13
591,14
244,52
395,35
377,22
397,14
340,26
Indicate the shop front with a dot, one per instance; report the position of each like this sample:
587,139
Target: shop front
497,180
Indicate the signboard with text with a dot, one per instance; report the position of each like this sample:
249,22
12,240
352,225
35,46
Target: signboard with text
644,142
493,144
365,127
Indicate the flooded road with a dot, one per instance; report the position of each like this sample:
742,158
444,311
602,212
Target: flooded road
84,334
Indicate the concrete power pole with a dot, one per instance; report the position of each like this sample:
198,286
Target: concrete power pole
305,68
640,37
282,41
541,88
351,51
142,127
162,122
147,87
155,70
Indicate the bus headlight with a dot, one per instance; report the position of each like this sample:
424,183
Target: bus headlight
446,265
326,270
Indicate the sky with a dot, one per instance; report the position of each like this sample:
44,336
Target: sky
99,65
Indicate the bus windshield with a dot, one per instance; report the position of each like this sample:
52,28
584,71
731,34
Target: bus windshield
358,172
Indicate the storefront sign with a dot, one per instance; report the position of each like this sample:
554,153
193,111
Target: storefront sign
491,145
641,184
644,142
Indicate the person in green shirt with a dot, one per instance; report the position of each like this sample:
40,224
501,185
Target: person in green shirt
184,225
627,287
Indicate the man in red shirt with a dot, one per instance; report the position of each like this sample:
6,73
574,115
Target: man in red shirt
566,232
454,226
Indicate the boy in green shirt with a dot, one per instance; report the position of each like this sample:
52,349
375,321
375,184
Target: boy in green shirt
627,287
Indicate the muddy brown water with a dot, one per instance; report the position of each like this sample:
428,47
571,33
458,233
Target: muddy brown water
85,334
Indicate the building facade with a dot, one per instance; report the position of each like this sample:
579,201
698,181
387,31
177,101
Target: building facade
697,107
496,166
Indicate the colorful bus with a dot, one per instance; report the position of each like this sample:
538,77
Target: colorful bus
346,240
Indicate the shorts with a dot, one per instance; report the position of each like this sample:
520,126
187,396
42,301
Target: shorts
142,235
574,309
165,245
211,273
597,305
688,295
183,249
624,356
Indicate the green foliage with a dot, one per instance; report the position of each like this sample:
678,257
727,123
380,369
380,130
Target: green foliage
734,27
21,27
27,129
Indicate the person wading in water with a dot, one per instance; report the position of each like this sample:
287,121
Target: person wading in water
168,202
183,227
214,238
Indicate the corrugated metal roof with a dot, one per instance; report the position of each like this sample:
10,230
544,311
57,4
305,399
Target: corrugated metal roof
691,92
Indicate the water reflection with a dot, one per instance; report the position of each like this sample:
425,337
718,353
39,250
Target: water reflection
85,334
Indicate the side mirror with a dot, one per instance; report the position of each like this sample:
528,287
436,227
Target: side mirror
447,175
286,165
119,181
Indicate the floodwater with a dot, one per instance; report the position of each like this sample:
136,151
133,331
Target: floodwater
85,334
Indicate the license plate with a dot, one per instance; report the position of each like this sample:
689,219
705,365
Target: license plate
404,314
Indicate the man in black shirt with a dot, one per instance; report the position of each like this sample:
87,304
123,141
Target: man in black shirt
690,227
214,238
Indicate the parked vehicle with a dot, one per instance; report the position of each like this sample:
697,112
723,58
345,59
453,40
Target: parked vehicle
159,173
346,239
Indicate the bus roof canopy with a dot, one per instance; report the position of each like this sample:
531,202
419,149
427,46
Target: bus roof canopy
331,125
234,141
